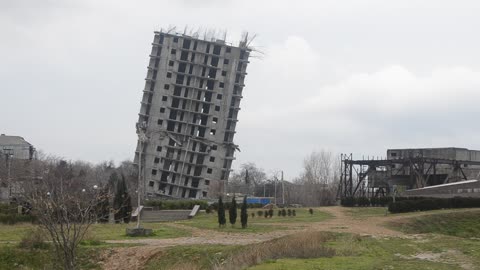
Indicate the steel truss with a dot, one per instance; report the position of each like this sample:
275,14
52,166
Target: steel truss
419,169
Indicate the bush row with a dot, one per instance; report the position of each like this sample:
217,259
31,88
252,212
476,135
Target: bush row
214,206
9,215
374,201
425,204
176,204
15,218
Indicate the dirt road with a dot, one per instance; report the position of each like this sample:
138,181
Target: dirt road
134,257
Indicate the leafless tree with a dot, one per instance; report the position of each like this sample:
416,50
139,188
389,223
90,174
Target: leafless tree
64,206
248,179
318,181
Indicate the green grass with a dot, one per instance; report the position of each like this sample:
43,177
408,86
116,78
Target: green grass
210,222
256,224
354,252
117,231
199,256
351,252
13,257
461,224
14,233
366,212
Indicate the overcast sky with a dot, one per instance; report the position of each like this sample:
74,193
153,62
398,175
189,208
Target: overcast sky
346,76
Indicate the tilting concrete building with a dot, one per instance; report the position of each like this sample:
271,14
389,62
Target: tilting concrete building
188,115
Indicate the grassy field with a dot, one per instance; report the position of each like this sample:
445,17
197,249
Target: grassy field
444,239
349,252
14,257
117,231
354,252
256,224
461,224
192,257
9,233
366,212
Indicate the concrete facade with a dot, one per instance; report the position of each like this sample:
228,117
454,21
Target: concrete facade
16,147
13,149
188,115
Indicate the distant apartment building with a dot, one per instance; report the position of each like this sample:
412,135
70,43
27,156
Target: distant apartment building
15,147
14,150
188,115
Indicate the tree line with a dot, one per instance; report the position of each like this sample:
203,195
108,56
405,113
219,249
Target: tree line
316,185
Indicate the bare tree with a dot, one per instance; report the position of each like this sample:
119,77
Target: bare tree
247,179
317,183
64,206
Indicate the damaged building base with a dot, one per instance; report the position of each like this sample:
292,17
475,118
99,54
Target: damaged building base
407,169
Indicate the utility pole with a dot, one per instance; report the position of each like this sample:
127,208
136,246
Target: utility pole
8,160
275,187
283,192
142,139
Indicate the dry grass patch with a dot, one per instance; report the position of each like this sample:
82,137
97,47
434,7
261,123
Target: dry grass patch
302,245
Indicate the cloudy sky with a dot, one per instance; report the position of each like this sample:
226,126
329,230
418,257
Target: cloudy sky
346,76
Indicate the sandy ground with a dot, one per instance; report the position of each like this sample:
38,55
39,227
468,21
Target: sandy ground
134,257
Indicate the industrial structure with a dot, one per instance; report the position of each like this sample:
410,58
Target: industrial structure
188,114
406,169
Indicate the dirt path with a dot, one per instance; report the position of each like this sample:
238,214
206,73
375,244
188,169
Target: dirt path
342,221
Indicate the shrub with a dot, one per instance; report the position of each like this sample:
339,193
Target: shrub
232,212
289,212
221,213
363,201
265,214
179,204
294,213
16,218
34,239
423,204
270,213
259,213
244,214
348,202
284,213
279,213
253,214
310,211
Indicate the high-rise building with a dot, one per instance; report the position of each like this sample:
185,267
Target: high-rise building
188,115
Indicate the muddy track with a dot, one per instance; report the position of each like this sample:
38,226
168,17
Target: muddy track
135,257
